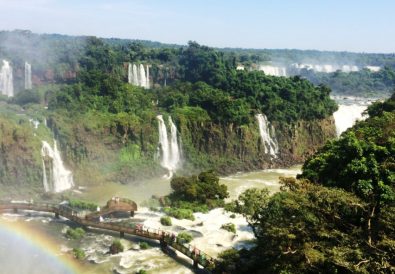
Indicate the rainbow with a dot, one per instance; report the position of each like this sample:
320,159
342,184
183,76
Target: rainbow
24,248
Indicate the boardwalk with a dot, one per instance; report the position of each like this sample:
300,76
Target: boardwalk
166,239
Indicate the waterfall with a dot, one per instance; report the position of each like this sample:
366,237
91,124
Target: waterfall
270,144
6,79
174,148
60,178
147,81
170,150
347,115
142,77
273,71
138,76
28,76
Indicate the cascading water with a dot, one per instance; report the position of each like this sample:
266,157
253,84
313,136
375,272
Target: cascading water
273,71
347,115
170,150
138,76
28,76
60,178
270,143
6,79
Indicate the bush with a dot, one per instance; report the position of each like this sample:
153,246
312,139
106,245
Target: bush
76,233
184,237
116,247
232,216
144,245
141,271
82,205
180,213
78,253
166,220
229,227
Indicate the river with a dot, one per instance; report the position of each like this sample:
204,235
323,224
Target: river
208,236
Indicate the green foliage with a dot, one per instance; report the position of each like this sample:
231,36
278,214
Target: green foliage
144,245
116,247
204,189
362,161
79,254
179,213
309,228
76,233
184,237
229,227
358,83
78,204
141,271
165,221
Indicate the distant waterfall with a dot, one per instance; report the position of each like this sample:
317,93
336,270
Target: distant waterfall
28,76
138,76
347,115
6,80
170,149
59,178
273,71
270,143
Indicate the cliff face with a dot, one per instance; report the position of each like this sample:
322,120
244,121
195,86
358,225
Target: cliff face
230,148
98,149
20,162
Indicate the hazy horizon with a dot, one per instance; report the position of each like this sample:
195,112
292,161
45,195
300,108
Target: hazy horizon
352,26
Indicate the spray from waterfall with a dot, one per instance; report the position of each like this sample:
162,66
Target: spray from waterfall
169,148
6,80
138,76
28,76
58,178
267,135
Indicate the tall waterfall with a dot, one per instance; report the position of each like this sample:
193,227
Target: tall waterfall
170,149
266,131
28,76
58,178
6,79
138,76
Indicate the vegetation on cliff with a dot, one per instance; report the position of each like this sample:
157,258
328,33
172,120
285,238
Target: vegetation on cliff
99,120
339,215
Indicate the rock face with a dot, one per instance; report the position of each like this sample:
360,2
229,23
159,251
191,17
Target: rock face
232,148
109,151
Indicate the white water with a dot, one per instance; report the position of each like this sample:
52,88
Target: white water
60,178
138,76
273,71
347,115
350,111
326,68
28,76
268,138
170,149
6,80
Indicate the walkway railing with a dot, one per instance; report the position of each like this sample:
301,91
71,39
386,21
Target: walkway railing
166,238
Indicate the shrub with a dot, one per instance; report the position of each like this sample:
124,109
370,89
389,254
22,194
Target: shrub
166,220
78,253
144,245
229,227
82,205
76,233
184,237
180,213
116,247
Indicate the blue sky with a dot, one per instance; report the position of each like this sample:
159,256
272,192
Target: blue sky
351,25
